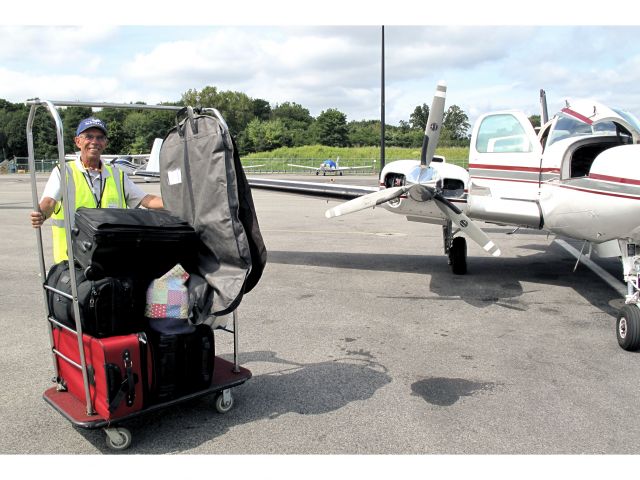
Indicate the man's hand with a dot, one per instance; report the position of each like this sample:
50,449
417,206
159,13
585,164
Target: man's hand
46,209
37,219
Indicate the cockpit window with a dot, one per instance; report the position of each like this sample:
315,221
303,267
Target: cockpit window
502,133
567,126
630,118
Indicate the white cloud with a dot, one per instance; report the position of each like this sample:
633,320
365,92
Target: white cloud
21,86
52,46
325,67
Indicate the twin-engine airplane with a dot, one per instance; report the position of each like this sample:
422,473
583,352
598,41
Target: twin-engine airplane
579,177
331,167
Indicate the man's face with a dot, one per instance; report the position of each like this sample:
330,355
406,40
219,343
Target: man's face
91,143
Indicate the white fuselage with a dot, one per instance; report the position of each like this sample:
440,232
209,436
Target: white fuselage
600,206
585,186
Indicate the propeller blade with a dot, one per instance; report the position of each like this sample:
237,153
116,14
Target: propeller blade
366,201
468,226
434,125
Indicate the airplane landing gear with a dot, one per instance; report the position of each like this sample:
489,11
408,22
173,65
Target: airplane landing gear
455,248
458,256
628,327
628,321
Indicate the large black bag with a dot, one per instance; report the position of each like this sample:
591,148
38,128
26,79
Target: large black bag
107,306
182,362
202,181
140,243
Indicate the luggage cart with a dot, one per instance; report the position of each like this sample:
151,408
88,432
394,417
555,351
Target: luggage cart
226,375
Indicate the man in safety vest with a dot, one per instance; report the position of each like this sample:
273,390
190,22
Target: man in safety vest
90,183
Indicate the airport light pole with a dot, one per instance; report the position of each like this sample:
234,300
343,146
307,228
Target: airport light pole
382,105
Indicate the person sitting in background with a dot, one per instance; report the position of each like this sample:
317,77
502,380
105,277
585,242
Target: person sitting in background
91,183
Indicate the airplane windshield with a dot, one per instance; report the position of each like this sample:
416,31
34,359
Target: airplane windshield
567,126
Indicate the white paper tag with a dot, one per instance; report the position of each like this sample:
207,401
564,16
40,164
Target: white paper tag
174,176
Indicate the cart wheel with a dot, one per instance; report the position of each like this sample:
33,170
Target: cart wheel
224,405
118,438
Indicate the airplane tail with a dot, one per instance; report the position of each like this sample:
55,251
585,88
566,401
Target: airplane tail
153,165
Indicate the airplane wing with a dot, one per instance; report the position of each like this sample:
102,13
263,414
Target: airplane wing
127,166
303,166
326,190
146,173
362,167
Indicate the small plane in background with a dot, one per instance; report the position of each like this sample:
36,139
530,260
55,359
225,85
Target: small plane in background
578,177
329,166
152,164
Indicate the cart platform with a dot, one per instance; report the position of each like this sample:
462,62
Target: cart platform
224,378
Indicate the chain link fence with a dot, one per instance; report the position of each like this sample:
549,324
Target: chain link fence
312,166
21,165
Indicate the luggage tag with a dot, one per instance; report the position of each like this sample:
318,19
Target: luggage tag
174,176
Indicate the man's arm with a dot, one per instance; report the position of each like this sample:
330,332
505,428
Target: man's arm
152,201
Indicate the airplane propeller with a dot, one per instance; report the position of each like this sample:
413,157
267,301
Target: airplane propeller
467,225
433,126
367,201
420,192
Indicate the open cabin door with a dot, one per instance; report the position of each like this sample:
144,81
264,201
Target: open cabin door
504,156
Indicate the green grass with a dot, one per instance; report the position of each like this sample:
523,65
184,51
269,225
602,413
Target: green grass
312,155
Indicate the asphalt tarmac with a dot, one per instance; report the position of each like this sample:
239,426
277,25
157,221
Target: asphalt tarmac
361,341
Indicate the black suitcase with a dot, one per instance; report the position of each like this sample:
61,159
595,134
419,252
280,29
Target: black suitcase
182,363
107,306
144,244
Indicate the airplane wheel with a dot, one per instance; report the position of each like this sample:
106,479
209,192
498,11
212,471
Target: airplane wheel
628,327
317,173
458,256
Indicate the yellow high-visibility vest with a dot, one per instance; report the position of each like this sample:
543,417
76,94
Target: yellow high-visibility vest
81,195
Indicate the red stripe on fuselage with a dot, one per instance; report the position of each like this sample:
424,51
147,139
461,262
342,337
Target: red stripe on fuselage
498,179
597,192
607,178
512,168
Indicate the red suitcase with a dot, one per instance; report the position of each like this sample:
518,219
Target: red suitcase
117,369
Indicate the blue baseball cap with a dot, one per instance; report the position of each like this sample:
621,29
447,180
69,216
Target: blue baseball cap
91,122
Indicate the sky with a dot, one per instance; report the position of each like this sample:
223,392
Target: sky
323,58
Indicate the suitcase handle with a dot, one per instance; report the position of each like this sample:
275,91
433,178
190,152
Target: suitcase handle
86,245
126,389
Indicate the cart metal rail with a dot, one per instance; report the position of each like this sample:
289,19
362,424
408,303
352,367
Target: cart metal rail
226,374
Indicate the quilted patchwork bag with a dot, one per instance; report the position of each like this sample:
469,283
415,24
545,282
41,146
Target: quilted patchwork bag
167,296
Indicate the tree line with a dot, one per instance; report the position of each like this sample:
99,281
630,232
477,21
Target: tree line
254,123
